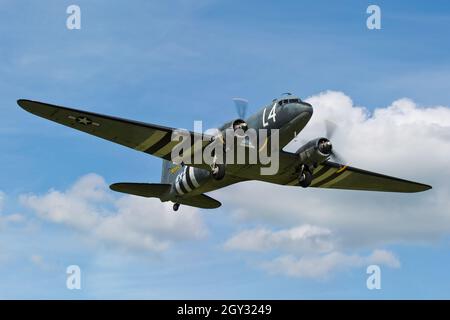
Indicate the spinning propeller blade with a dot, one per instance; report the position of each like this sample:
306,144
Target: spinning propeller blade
241,107
330,129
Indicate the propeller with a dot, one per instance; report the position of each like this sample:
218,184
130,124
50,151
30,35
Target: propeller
337,157
241,107
330,129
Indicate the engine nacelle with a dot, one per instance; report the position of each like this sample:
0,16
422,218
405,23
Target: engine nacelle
238,125
315,151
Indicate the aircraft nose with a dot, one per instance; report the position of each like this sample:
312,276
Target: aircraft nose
306,108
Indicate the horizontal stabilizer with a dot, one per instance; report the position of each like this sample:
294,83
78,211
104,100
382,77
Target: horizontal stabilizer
149,190
161,190
200,201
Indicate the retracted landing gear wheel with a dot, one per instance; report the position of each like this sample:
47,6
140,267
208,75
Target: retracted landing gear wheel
305,179
176,206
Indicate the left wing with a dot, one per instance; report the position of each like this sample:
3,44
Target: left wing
149,138
335,176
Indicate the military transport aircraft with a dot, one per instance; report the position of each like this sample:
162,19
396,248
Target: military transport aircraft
182,183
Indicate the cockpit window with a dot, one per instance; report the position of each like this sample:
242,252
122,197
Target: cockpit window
286,101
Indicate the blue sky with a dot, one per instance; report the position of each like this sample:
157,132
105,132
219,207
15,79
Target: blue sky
173,62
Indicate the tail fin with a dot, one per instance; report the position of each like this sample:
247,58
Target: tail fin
169,171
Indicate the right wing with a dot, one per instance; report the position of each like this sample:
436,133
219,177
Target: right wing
149,138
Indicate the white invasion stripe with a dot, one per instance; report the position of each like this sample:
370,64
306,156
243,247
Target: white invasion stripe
336,180
177,186
192,176
151,140
324,176
185,183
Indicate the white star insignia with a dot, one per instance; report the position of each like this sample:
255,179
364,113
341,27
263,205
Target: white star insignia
84,121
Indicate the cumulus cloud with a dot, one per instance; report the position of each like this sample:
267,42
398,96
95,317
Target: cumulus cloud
403,139
325,265
309,251
79,206
127,222
302,239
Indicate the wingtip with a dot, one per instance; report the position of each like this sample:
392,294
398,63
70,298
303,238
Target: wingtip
115,186
21,102
423,187
24,104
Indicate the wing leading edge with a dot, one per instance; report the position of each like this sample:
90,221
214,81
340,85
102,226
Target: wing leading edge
336,176
149,138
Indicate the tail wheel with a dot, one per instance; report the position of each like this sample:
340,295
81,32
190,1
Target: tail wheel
305,179
218,172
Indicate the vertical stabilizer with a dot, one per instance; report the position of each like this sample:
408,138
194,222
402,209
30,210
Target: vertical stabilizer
169,172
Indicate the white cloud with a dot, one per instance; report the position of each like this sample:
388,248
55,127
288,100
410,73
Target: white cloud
309,251
325,265
403,140
75,207
302,239
12,218
127,222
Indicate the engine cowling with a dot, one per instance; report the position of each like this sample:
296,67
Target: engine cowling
239,126
315,151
